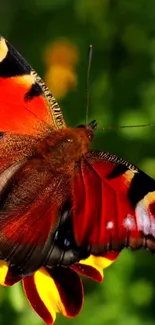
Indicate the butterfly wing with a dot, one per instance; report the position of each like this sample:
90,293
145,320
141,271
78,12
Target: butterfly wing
35,225
28,111
113,204
28,217
26,104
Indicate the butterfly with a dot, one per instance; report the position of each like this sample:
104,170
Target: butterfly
59,200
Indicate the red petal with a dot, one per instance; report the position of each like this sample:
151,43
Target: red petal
109,258
54,291
70,290
88,271
93,266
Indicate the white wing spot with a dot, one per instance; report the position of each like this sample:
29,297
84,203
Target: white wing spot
152,226
143,218
110,225
129,222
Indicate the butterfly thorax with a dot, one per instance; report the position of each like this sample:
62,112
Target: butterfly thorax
63,148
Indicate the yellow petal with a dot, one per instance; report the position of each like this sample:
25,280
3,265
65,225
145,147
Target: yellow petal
54,291
6,278
93,266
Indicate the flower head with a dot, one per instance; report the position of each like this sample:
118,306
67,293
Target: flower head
60,289
60,58
61,52
60,79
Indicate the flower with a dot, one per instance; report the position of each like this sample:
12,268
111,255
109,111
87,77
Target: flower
60,58
60,79
61,52
58,290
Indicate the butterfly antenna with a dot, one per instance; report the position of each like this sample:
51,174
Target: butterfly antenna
88,82
106,128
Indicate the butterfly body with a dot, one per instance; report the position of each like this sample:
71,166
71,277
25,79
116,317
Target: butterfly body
62,149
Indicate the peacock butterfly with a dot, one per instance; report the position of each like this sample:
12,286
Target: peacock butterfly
60,202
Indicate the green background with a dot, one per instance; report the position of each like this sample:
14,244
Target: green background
122,91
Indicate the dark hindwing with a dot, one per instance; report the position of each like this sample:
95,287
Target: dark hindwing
35,222
30,202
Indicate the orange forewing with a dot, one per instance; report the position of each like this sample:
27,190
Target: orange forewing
27,116
27,106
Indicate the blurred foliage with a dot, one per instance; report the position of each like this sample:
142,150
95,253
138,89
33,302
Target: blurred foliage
122,91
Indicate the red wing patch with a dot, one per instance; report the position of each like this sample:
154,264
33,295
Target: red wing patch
109,212
27,106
